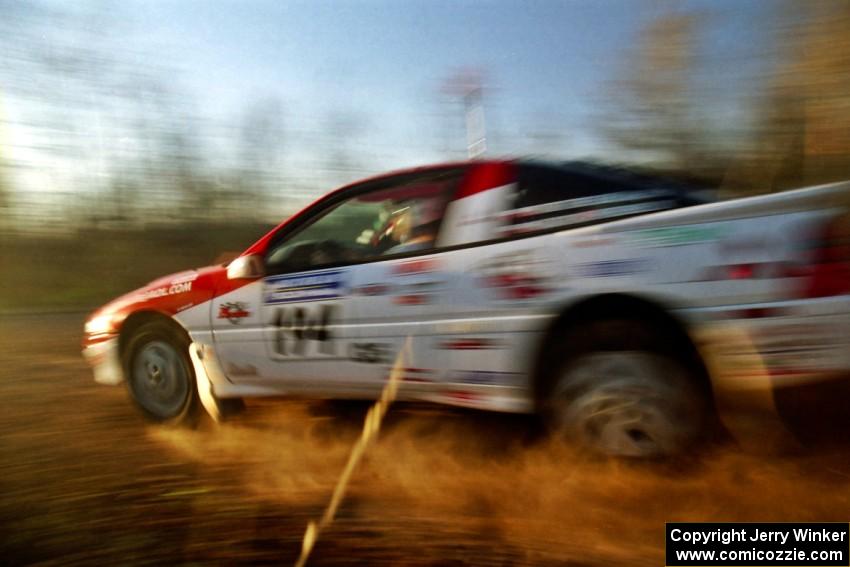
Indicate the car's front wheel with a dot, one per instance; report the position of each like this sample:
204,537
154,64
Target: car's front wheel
159,375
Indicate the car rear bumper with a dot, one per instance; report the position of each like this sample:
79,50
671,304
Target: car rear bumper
105,360
782,344
760,356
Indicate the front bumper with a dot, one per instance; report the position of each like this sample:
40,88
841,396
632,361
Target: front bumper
105,360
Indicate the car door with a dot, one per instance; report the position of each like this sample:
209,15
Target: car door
319,321
407,291
286,331
399,299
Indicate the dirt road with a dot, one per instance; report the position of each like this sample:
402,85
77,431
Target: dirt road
83,480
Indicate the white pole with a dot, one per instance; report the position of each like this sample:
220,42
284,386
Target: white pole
476,134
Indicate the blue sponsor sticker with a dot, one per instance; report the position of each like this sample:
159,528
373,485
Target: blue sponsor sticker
304,287
487,377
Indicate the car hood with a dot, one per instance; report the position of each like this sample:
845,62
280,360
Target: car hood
168,295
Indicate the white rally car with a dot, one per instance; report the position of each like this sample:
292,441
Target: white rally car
623,309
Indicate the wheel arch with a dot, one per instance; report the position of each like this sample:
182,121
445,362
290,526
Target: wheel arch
138,319
616,306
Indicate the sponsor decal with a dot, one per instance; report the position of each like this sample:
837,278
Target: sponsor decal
517,286
410,299
304,287
172,289
478,220
516,276
486,377
370,353
746,245
591,201
554,215
459,396
677,235
612,268
233,311
372,289
595,241
297,327
417,375
417,266
234,369
742,271
472,344
416,293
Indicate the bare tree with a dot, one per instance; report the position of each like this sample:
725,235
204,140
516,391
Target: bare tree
5,197
803,132
653,109
343,156
261,135
99,121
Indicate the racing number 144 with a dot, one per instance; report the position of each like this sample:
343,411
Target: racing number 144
296,326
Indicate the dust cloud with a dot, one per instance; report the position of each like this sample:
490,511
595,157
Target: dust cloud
455,476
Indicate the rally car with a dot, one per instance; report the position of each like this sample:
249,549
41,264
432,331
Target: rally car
622,308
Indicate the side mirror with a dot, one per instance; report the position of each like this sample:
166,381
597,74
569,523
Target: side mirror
245,267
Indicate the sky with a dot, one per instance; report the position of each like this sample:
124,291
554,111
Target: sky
547,66
388,59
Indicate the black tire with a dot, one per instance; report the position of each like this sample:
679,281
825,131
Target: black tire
624,388
159,375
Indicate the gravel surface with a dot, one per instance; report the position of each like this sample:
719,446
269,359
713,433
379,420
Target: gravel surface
84,480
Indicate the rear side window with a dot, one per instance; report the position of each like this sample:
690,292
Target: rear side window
552,198
540,185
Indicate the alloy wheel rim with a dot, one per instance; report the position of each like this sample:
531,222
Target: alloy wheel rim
160,379
626,403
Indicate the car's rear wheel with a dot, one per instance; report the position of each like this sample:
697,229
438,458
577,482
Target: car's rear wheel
619,389
160,377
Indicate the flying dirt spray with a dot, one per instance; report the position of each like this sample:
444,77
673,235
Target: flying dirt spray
371,426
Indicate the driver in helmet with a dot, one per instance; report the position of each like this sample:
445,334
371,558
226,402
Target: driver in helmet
417,229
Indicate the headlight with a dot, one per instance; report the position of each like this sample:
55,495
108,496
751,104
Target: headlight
99,325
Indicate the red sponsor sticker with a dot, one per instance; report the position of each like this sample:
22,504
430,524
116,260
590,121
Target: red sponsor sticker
411,299
460,396
471,344
418,266
233,311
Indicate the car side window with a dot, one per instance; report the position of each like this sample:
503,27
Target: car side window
548,198
402,216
